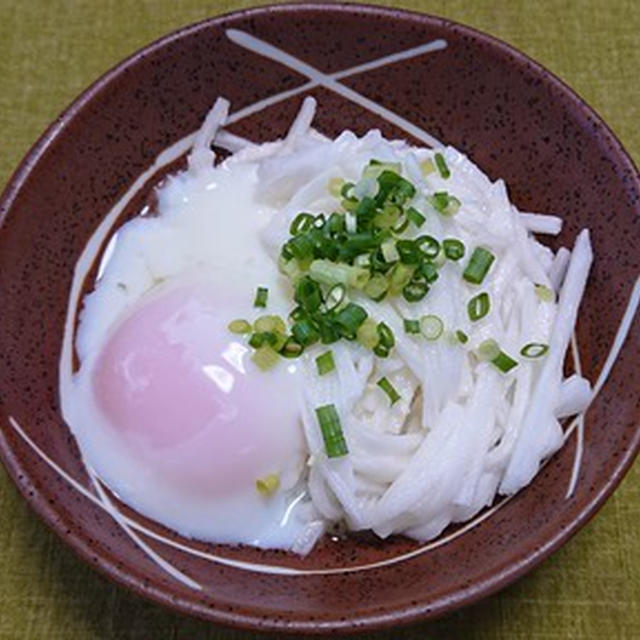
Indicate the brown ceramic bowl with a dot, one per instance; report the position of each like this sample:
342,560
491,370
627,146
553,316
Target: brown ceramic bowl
515,119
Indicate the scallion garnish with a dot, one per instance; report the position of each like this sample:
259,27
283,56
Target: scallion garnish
367,334
304,332
479,264
330,273
478,307
335,297
325,363
453,248
377,287
441,164
349,319
268,485
386,340
413,215
431,327
428,246
411,326
544,293
301,223
504,362
329,421
308,294
265,357
534,350
415,290
239,326
389,389
444,204
291,348
262,293
490,351
428,271
390,251
273,324
408,252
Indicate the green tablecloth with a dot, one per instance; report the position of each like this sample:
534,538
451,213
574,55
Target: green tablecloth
49,52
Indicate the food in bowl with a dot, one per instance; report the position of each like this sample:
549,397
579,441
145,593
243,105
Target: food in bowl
316,333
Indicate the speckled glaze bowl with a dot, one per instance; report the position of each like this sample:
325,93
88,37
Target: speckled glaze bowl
512,117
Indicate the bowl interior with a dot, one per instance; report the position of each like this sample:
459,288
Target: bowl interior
514,119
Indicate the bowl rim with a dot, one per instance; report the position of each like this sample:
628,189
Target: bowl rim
250,619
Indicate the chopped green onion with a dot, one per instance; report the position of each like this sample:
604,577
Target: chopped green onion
270,323
329,421
431,327
389,251
345,190
335,224
443,169
504,362
335,297
239,326
386,340
478,306
308,294
301,223
413,215
299,247
453,248
329,331
428,245
428,271
408,251
444,203
268,485
325,363
411,326
377,287
534,350
330,273
262,293
399,277
462,337
291,348
401,225
363,260
261,338
415,291
427,167
490,351
479,264
349,319
304,332
440,259
368,334
544,293
265,357
389,389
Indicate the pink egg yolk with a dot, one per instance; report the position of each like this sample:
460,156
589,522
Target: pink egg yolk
175,384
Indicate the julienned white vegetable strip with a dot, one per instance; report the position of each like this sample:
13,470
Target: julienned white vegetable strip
541,433
541,223
201,156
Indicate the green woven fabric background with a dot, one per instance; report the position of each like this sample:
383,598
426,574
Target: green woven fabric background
50,50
